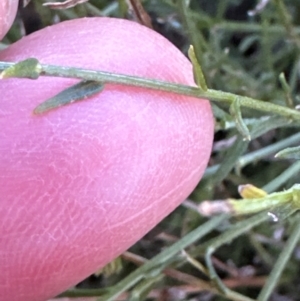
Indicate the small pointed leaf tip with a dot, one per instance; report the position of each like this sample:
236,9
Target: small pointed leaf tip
77,92
289,153
197,70
235,111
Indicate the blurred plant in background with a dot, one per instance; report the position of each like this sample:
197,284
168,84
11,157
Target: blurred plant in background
247,48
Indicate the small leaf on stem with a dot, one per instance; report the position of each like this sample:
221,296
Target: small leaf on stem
289,153
197,70
235,111
287,91
77,92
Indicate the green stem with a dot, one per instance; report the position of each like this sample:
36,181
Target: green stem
286,20
283,177
235,231
107,77
249,206
280,263
162,258
259,154
251,28
212,245
270,150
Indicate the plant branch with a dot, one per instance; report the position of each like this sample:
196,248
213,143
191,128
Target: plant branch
280,263
214,95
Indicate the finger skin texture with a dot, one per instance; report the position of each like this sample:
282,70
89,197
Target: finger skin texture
8,11
81,184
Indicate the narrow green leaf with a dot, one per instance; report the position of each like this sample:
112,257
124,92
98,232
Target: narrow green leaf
29,68
77,92
220,113
285,176
235,111
230,159
289,153
262,126
287,91
197,70
281,263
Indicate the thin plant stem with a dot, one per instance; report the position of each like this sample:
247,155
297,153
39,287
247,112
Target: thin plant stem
284,176
259,154
251,28
268,150
287,22
235,231
162,258
280,263
107,77
211,246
